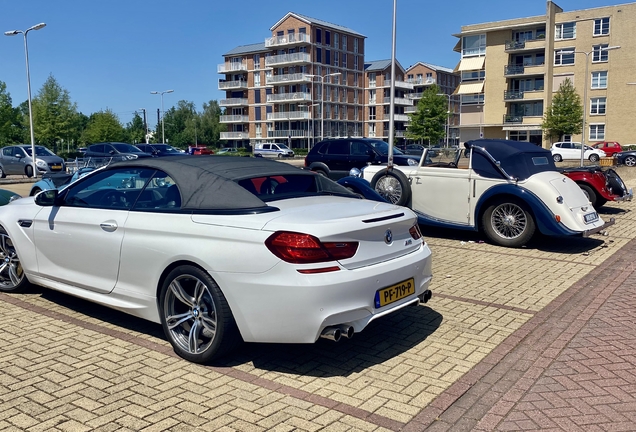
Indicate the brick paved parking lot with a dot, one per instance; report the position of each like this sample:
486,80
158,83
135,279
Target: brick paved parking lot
530,338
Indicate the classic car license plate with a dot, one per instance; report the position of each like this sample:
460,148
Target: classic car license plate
394,293
591,217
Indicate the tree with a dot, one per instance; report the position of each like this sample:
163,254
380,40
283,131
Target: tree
428,122
565,115
53,114
11,129
135,131
103,126
210,126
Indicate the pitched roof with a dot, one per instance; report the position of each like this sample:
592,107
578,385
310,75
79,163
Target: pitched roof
315,21
244,49
432,67
379,65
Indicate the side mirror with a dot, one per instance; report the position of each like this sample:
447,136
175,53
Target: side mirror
19,155
47,198
111,152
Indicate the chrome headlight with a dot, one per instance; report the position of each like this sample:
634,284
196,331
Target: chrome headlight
40,163
131,157
412,162
355,172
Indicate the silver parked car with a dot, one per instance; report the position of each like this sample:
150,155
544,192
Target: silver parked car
16,159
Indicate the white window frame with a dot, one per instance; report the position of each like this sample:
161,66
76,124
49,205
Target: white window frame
355,47
257,61
599,55
596,132
601,27
598,105
372,80
559,56
597,80
561,28
257,79
479,50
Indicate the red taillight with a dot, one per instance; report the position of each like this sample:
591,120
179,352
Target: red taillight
415,232
300,248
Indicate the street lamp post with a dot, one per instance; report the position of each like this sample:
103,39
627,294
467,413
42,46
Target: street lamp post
26,54
322,99
145,125
587,57
447,116
163,113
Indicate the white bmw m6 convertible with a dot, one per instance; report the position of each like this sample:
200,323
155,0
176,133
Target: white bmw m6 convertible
219,250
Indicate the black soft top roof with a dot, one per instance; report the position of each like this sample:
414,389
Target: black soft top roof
520,159
209,182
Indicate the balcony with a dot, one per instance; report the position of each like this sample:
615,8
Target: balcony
234,119
399,101
421,81
284,97
287,133
282,59
513,95
233,102
286,79
288,115
399,84
525,69
287,40
410,109
401,117
234,135
509,118
415,95
528,44
232,85
232,67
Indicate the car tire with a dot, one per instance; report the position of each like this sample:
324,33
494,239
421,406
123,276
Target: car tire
590,193
557,158
35,191
280,156
195,316
630,161
594,158
392,185
12,277
28,171
320,172
508,222
2,173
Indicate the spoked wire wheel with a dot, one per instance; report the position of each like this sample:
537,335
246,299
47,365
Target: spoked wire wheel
389,188
508,223
11,274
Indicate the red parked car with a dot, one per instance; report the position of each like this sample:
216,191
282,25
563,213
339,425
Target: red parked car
200,150
609,147
599,185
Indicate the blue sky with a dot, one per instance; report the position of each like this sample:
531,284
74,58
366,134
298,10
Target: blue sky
112,54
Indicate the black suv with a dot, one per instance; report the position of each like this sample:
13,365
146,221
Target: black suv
116,150
335,157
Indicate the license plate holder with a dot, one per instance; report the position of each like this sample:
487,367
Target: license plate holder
590,217
393,293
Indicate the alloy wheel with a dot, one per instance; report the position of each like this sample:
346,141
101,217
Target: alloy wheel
11,273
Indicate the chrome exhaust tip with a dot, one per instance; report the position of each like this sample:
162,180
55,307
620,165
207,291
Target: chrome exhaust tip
426,296
331,333
346,330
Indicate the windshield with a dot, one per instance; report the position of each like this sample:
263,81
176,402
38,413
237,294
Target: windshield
283,147
383,148
39,151
126,148
165,148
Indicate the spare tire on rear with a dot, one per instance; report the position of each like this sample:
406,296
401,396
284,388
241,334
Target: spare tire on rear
392,185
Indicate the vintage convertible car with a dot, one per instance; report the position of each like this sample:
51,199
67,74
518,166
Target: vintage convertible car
600,186
505,189
219,250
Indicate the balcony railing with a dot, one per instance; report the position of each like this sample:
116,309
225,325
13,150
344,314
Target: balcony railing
421,81
287,58
400,117
410,109
517,45
287,133
399,101
399,84
230,85
520,69
233,102
231,67
288,115
415,95
234,119
234,135
288,39
287,78
513,94
281,97
509,118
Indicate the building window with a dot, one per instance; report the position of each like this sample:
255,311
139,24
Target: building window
473,99
336,45
372,130
473,75
564,56
259,130
328,57
344,60
344,42
355,62
599,80
318,36
371,79
597,105
257,79
372,96
318,55
565,31
327,37
355,47
599,54
336,58
601,26
302,30
597,132
257,61
474,45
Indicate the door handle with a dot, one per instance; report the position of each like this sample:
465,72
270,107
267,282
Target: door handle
110,227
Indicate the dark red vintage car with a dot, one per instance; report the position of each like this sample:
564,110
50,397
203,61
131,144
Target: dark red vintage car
599,185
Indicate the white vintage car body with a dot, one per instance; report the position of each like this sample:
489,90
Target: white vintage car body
519,179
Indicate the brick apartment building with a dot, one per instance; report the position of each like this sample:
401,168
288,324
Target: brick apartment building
511,69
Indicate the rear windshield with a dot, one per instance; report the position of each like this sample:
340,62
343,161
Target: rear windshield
271,188
127,148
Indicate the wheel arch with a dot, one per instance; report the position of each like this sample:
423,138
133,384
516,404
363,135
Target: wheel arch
171,267
314,166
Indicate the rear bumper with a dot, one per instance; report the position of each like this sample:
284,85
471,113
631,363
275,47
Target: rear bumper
589,232
627,197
